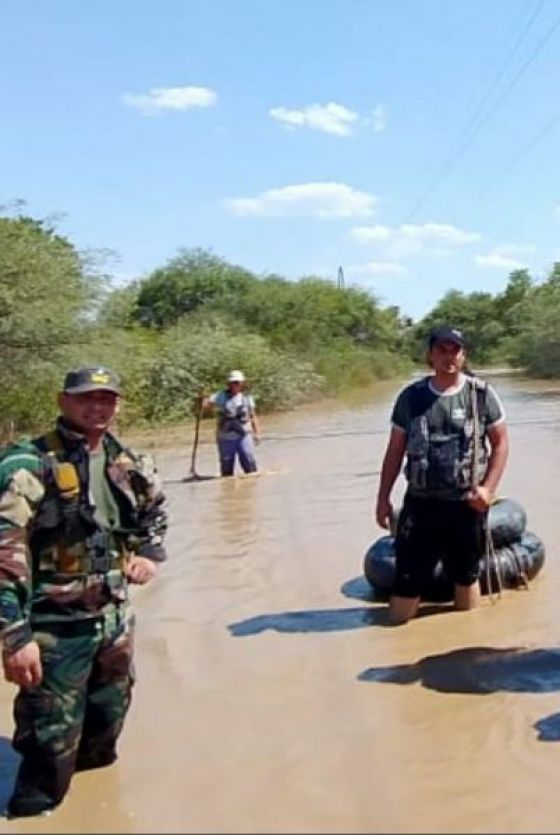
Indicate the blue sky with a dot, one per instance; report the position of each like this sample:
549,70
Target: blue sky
412,142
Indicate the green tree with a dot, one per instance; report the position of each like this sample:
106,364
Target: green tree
45,297
43,289
192,279
472,313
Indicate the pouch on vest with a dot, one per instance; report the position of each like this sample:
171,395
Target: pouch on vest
234,418
445,470
416,469
66,478
80,550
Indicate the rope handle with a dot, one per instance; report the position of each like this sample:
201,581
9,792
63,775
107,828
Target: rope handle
489,550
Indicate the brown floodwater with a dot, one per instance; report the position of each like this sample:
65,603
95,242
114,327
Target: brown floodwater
273,698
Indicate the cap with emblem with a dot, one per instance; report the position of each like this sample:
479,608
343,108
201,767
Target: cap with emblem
446,334
91,378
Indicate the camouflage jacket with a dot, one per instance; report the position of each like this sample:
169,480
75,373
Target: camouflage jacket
56,562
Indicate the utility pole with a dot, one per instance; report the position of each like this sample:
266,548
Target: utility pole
340,279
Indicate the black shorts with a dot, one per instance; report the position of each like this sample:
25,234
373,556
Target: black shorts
430,530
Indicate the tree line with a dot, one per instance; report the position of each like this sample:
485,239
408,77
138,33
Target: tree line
178,330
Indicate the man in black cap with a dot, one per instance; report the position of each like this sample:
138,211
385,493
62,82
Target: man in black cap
451,428
81,517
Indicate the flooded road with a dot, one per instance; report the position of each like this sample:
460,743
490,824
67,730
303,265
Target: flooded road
273,698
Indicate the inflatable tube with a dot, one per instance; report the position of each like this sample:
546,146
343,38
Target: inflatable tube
506,520
379,570
518,562
379,564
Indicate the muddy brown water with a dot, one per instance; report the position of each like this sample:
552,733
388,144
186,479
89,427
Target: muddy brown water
271,695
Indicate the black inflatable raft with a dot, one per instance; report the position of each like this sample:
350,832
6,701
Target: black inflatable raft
518,556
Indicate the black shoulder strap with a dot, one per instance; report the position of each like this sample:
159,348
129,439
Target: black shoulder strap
481,387
51,442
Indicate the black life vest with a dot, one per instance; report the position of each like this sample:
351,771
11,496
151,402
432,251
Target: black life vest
454,461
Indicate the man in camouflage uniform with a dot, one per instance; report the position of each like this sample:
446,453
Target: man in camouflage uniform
80,518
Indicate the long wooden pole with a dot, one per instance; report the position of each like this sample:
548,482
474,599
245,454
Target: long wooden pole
195,439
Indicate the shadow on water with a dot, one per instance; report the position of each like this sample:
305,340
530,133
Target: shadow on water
478,670
311,620
359,589
483,670
190,479
548,728
9,762
329,620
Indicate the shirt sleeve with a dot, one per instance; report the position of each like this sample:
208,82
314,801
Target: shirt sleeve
21,489
152,508
400,416
217,399
495,412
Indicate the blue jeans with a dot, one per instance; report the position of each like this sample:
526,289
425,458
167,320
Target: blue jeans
241,447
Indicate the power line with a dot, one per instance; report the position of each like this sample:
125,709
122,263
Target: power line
523,153
483,112
505,65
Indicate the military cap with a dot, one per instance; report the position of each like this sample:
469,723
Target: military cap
91,378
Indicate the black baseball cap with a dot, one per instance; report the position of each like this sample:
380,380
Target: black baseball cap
445,333
91,378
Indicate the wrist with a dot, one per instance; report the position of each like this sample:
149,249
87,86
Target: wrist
16,638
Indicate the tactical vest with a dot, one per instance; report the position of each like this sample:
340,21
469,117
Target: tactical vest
437,462
64,536
234,417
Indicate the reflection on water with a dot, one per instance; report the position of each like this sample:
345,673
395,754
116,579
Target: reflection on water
252,712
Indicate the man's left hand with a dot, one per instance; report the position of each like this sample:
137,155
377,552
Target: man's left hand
480,498
140,570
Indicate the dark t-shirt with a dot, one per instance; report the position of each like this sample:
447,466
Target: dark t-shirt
445,413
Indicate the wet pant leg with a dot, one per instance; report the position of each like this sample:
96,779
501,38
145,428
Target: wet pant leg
108,696
227,452
419,544
465,542
73,718
48,718
246,454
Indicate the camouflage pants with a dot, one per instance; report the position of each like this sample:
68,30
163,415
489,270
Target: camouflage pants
71,721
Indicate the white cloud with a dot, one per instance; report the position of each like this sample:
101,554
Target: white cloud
443,233
498,262
381,268
379,119
504,257
410,239
330,118
369,234
320,200
171,98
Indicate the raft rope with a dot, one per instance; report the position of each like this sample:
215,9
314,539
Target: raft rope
490,555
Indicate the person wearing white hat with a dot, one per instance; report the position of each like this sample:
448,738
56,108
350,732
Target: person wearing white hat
237,429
